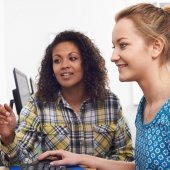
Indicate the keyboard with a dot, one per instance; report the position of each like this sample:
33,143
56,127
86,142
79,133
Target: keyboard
42,165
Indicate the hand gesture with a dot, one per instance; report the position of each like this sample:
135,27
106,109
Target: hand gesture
7,124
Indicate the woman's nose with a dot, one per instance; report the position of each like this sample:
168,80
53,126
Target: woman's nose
65,63
115,56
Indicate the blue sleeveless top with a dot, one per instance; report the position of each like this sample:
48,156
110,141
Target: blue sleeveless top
152,147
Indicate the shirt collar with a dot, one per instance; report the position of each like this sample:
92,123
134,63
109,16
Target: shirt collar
61,99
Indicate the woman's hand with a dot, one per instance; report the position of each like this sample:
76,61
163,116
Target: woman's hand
61,157
7,124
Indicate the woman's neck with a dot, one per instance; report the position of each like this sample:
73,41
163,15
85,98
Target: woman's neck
156,91
156,88
74,97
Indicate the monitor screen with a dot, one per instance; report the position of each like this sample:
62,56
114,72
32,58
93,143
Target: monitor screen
22,92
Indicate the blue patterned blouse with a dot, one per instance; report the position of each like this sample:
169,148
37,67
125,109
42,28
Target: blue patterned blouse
152,148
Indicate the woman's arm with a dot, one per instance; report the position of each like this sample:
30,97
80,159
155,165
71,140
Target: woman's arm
104,164
18,149
68,158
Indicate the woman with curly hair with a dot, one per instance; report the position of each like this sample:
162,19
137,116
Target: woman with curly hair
95,78
73,108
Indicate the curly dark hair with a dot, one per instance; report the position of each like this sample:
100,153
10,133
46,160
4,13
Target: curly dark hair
95,72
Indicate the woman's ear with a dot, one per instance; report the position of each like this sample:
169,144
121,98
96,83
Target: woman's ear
158,45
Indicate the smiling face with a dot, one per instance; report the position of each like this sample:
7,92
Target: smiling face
67,65
131,54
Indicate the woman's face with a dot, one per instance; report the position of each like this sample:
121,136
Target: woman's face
131,54
67,65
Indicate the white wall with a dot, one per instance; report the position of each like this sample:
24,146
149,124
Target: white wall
3,84
28,25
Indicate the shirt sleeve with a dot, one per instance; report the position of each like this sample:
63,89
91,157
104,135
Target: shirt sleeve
123,149
26,140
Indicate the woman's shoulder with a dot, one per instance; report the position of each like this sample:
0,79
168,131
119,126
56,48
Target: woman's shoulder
111,97
35,98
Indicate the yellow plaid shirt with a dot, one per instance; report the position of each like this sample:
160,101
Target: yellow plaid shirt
99,129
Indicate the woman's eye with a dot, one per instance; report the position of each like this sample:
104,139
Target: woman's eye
56,61
72,58
123,45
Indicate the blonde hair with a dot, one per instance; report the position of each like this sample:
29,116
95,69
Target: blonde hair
152,22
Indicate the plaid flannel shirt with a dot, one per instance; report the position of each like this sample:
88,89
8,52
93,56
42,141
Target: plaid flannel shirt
99,129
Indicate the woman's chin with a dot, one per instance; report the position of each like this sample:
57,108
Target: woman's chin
124,79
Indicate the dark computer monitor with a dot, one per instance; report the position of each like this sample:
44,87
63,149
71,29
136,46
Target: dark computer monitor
22,92
33,86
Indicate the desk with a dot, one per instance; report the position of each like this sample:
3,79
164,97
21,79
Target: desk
6,168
